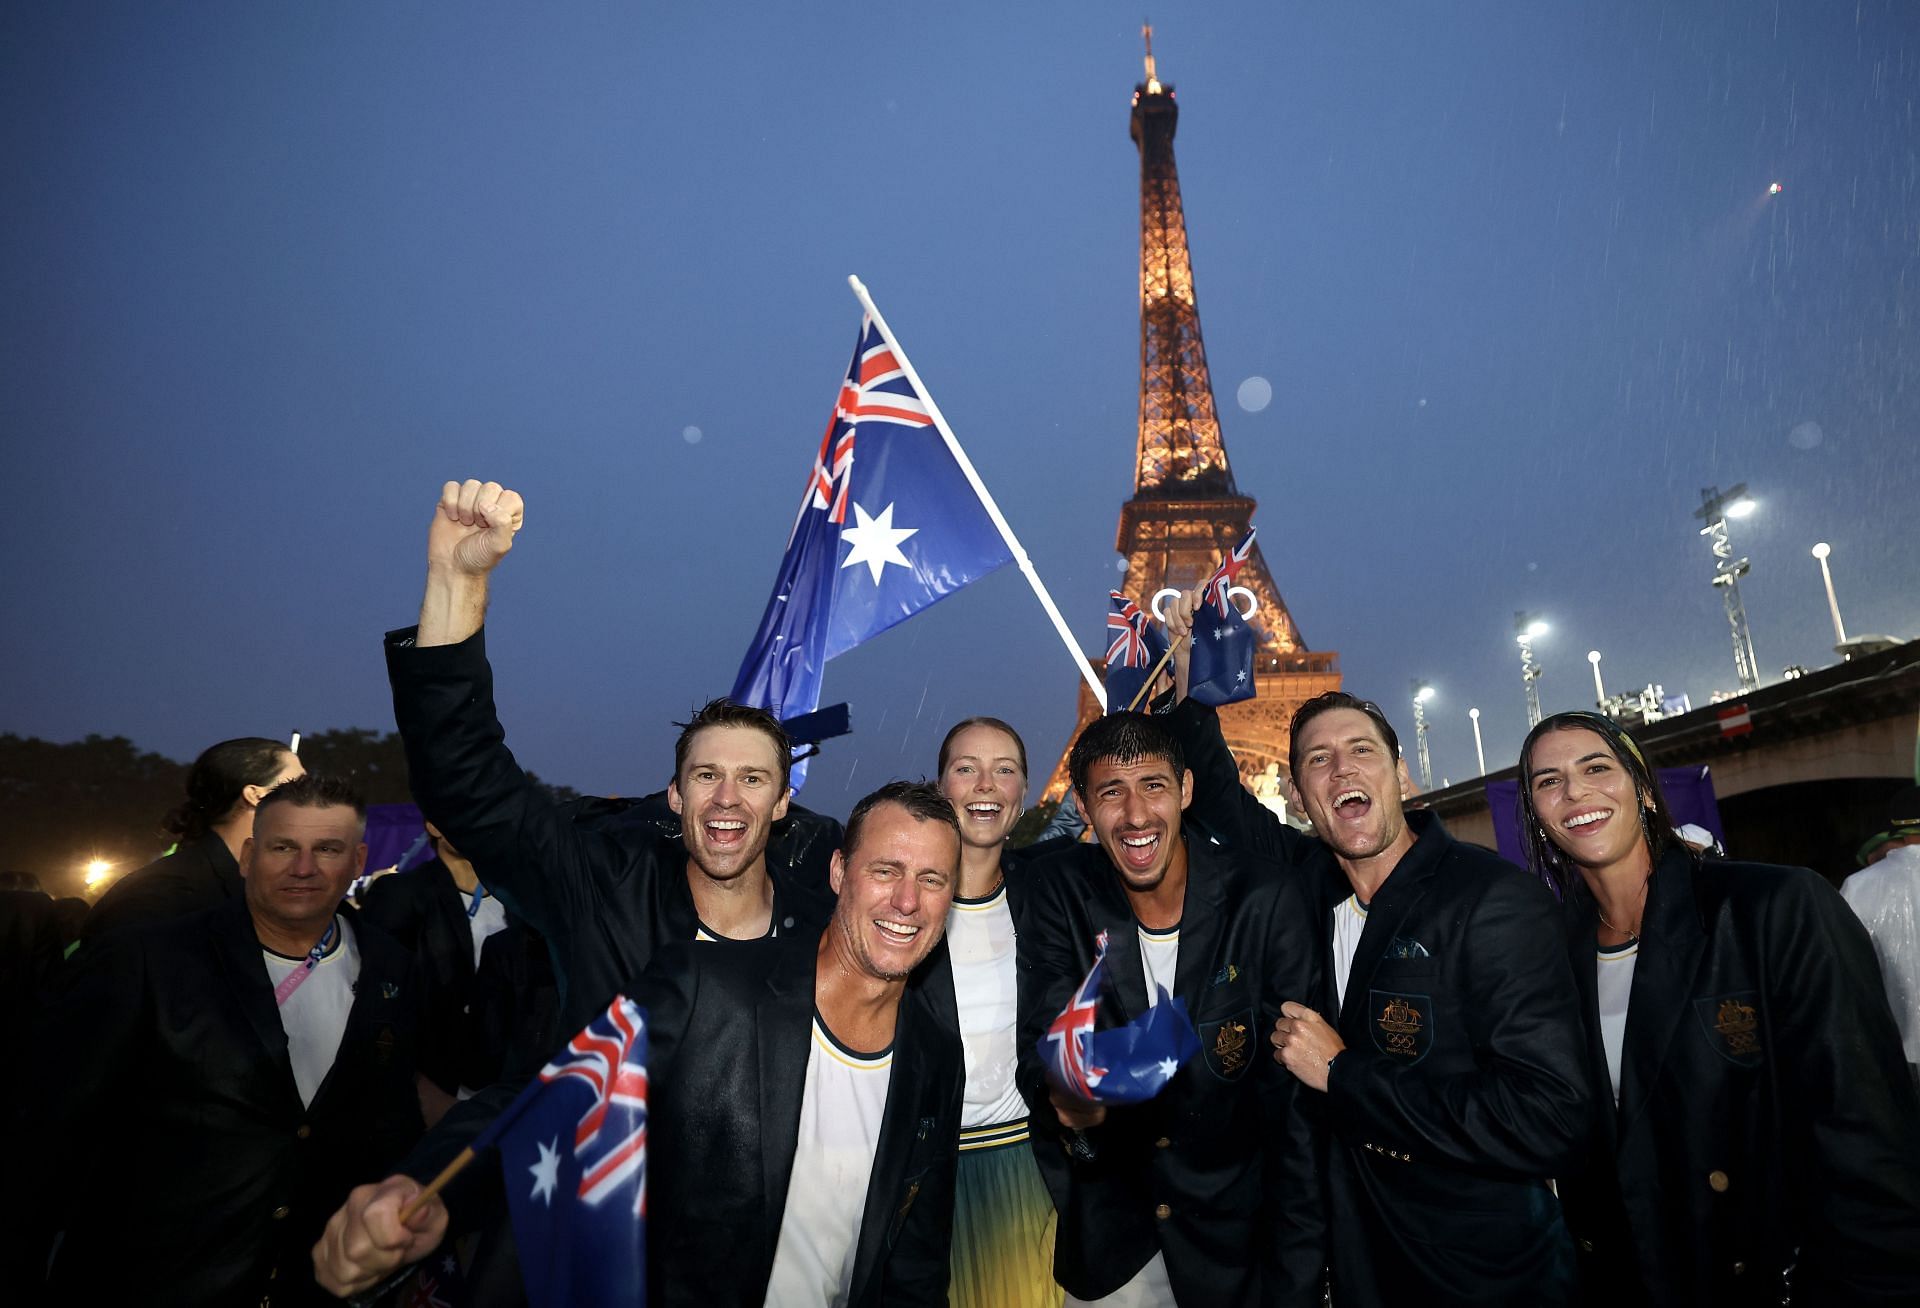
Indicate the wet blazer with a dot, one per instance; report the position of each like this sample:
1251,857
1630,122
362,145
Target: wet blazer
1464,1084
166,1133
730,1030
1217,1172
1765,1107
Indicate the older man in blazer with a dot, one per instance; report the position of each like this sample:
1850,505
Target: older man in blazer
805,1098
208,1088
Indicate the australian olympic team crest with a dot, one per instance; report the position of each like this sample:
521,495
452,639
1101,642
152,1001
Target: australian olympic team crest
1402,1025
1226,1041
1731,1024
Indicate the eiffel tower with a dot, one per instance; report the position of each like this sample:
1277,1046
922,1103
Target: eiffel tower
1186,511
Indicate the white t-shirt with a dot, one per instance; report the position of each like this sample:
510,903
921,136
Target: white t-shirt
1160,956
483,921
840,1111
1614,971
315,1016
980,941
1349,921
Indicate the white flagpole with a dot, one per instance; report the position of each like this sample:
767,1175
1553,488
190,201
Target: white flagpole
986,497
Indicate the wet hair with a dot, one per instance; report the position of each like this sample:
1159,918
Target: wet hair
1327,702
724,712
953,732
1545,859
316,790
922,800
1122,738
216,779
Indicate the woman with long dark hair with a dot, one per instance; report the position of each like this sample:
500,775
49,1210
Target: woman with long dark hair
1760,1136
224,786
1003,1218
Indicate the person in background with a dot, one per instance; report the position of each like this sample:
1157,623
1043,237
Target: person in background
441,912
1885,896
1757,1137
205,1090
224,787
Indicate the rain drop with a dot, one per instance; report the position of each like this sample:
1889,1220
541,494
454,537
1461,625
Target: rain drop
691,435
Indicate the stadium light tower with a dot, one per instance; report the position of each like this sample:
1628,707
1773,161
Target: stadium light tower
1479,750
1527,628
1715,508
1422,692
1599,687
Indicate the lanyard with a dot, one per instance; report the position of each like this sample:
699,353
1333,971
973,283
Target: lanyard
298,977
479,893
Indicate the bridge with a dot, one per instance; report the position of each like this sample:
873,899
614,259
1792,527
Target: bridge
1802,768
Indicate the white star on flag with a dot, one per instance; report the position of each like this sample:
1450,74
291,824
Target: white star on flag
1168,1066
546,1172
876,541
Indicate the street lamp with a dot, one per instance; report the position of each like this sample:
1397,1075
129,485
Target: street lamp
1715,508
1527,627
1480,751
1422,692
1599,689
1820,552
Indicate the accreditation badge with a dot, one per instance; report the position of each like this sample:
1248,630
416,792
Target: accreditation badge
1402,1025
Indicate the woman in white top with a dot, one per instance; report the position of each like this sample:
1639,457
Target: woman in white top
1758,1134
1003,1219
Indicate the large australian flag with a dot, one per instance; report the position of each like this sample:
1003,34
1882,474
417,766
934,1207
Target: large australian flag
888,525
573,1153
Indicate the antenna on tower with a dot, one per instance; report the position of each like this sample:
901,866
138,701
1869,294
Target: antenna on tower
1153,81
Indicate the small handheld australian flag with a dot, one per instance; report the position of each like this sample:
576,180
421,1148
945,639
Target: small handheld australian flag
1220,669
1124,1065
573,1153
1134,650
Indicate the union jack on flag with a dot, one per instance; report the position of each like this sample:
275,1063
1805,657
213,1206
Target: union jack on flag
875,389
573,1154
1128,627
1223,576
1074,1024
610,1056
1126,1064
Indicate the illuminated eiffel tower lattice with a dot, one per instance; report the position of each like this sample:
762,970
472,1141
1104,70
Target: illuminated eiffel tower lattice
1186,511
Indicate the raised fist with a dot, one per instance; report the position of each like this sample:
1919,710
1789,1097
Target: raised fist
473,526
